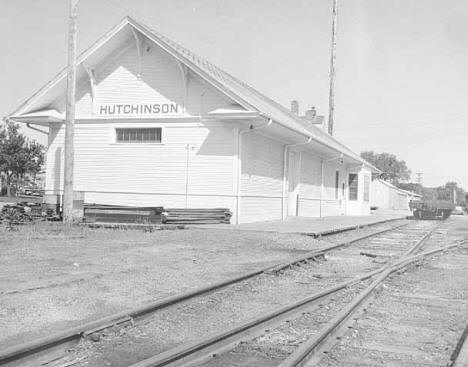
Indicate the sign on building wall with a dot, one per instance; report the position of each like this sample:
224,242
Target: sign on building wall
138,109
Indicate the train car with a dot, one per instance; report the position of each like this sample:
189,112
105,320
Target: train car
431,209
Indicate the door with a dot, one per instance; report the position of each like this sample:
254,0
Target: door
294,173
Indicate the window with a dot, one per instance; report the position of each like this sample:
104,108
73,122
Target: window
353,186
337,184
366,188
143,135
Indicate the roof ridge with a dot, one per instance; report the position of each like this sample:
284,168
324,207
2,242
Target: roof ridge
218,69
232,86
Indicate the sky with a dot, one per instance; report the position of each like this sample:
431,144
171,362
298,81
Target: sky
401,82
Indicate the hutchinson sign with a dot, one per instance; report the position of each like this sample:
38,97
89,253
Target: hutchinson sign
137,109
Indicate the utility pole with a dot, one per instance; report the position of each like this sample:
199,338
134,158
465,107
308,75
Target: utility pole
331,97
67,205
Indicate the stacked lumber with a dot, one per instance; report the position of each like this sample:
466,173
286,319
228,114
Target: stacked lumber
20,213
196,216
94,213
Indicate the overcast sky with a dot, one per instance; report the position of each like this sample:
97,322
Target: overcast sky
401,70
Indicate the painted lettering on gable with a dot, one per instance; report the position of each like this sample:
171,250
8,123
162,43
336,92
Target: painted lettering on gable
134,109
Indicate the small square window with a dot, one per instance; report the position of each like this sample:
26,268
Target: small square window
143,135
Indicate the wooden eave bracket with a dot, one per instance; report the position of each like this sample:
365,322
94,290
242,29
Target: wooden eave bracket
139,46
92,81
184,71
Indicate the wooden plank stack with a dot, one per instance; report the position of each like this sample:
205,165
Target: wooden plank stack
94,213
196,216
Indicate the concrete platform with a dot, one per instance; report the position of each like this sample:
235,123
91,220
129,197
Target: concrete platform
314,227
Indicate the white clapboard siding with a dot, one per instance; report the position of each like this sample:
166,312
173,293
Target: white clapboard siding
262,178
103,166
310,176
309,188
203,97
54,160
160,81
330,207
309,207
329,181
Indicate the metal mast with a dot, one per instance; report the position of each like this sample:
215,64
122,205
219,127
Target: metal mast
331,97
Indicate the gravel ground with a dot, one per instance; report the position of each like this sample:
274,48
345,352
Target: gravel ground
193,320
415,340
53,277
417,317
223,309
416,320
274,346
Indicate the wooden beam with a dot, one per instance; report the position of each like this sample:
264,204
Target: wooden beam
67,207
184,72
92,83
139,47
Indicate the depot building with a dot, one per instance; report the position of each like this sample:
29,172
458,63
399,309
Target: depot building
157,125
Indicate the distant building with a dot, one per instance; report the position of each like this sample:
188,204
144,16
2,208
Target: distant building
387,196
157,125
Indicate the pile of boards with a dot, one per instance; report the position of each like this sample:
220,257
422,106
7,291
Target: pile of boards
19,213
121,214
196,216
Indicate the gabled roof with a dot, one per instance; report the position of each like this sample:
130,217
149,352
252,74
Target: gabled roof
386,183
241,92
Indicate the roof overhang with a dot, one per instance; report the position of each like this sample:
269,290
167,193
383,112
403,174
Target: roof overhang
231,113
43,117
255,105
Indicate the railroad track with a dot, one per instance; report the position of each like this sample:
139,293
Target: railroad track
382,246
419,319
312,337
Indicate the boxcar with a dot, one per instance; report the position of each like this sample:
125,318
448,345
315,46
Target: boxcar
431,209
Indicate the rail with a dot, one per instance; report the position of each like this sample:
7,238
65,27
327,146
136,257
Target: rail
190,348
73,335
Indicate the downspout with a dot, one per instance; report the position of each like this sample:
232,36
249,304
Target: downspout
239,163
285,161
321,186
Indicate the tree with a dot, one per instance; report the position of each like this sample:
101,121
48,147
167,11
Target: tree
444,192
18,155
413,187
451,192
393,170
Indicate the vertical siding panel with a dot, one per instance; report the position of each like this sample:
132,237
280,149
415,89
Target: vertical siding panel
54,159
161,80
309,190
261,179
127,173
